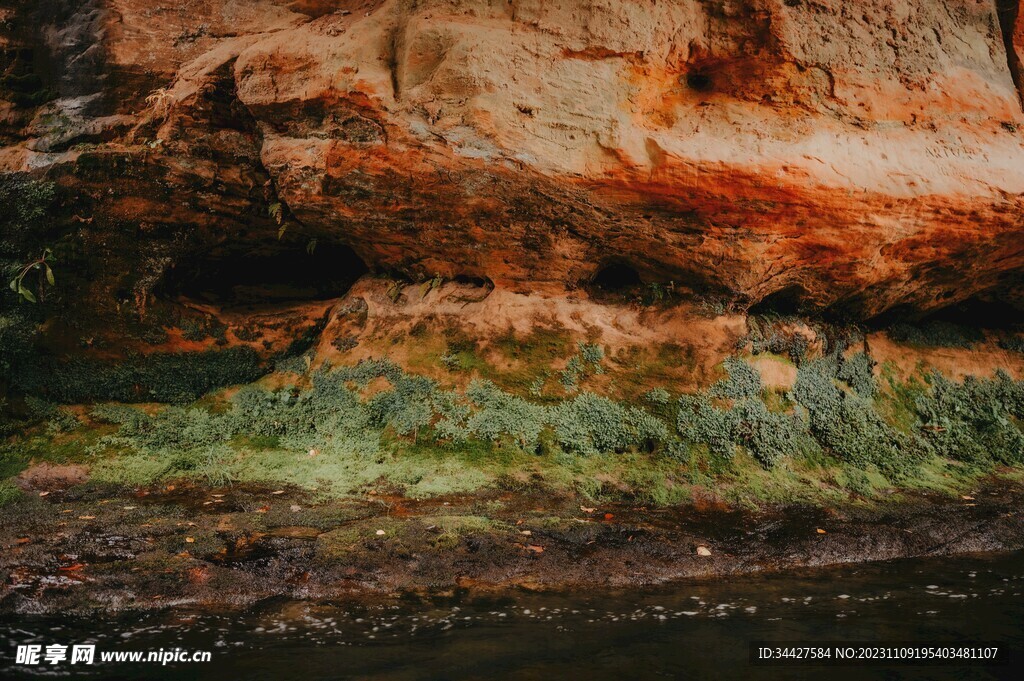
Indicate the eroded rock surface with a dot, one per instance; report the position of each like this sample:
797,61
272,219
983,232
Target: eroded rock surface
856,155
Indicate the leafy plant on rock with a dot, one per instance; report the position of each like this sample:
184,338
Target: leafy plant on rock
41,265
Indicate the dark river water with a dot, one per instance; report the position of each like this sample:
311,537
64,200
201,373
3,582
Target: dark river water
692,630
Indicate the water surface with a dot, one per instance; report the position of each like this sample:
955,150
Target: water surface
695,630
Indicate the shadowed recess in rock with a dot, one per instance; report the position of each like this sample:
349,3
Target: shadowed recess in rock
1009,17
787,301
268,273
616,276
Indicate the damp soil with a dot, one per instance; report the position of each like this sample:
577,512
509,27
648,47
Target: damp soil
92,549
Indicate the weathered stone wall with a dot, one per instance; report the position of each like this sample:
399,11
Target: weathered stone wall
861,154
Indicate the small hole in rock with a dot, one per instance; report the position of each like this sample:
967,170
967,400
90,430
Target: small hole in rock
478,282
699,81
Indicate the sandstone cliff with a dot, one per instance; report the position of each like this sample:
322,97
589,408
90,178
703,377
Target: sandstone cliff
855,156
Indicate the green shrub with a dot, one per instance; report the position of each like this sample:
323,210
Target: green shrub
164,377
590,424
1013,344
27,203
768,435
974,421
848,425
9,493
936,334
298,364
765,335
743,381
499,414
700,422
585,362
856,372
748,423
406,408
658,396
17,336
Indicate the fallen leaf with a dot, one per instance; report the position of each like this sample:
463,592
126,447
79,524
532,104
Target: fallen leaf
608,516
703,551
525,532
43,494
263,509
278,491
381,533
190,540
169,488
72,568
128,508
821,531
216,496
967,497
86,517
24,540
587,510
67,510
535,548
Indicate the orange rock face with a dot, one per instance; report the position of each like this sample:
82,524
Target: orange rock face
859,155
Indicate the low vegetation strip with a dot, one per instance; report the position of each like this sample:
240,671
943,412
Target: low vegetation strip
341,430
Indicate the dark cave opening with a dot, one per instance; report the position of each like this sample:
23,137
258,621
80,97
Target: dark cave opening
699,81
784,302
973,313
616,277
981,313
268,274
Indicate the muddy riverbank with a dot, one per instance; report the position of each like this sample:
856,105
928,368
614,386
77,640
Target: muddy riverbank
90,548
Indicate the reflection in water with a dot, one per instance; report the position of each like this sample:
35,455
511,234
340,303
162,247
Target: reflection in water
697,630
